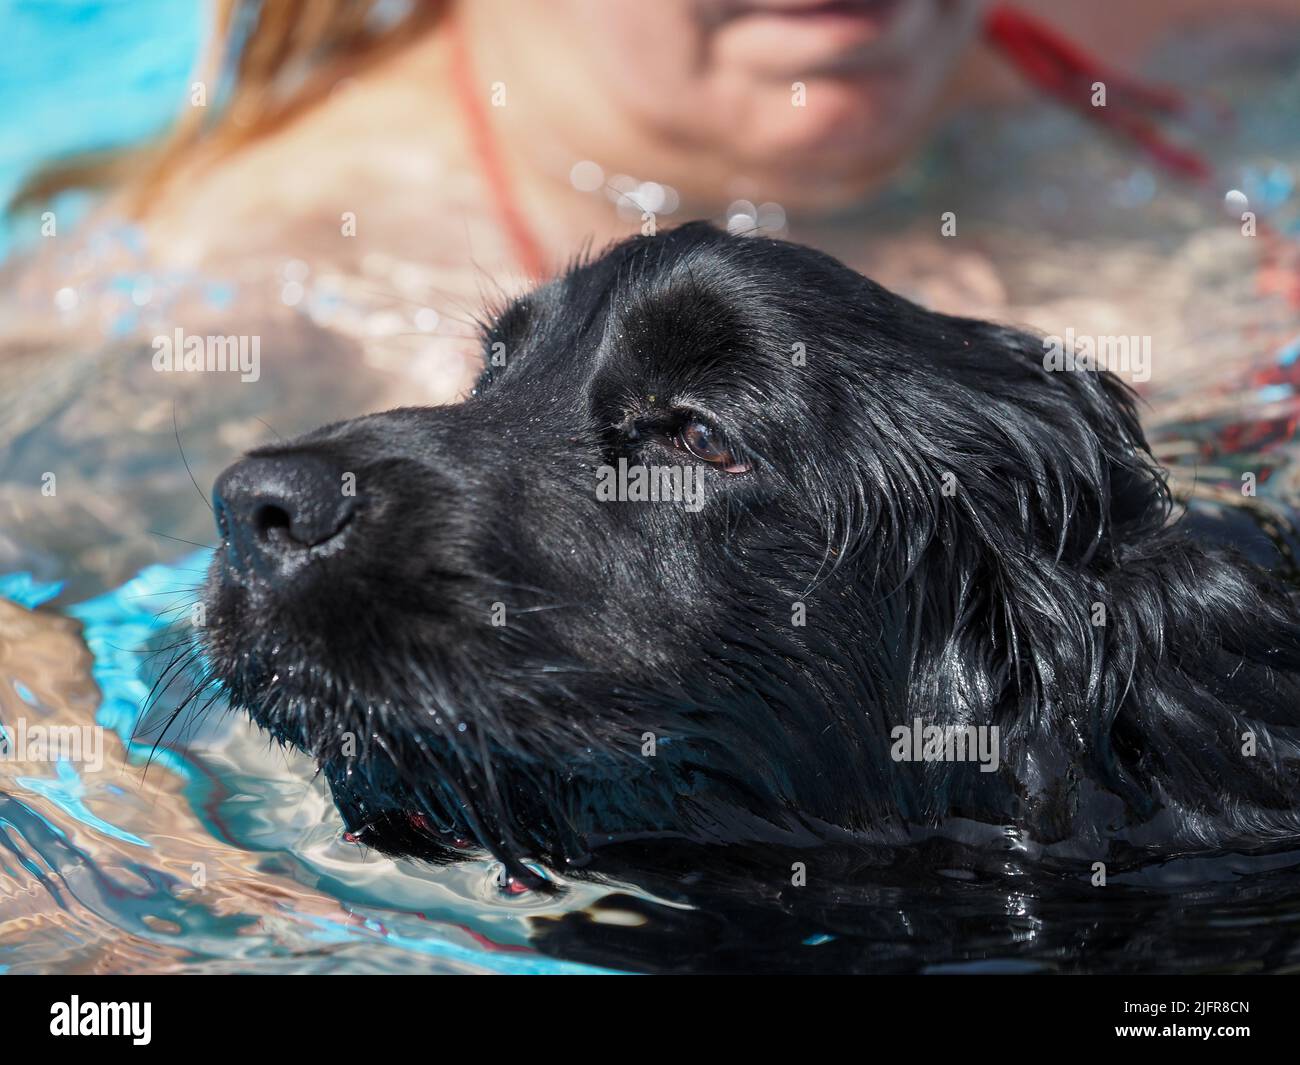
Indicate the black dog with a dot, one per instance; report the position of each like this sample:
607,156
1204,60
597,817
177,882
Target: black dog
914,579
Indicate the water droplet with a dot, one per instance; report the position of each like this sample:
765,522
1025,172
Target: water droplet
586,176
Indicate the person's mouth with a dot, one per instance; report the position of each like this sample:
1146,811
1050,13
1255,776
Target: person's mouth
791,37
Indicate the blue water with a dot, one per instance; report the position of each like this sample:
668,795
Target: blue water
119,628
86,75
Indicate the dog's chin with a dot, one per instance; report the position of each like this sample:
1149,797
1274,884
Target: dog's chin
381,812
382,806
377,810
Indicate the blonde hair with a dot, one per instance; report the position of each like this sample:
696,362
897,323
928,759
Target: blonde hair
266,62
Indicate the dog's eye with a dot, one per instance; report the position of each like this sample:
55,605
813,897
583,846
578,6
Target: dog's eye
708,445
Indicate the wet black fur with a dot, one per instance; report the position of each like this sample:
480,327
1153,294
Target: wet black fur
622,619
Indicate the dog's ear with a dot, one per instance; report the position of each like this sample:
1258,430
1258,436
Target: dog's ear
1055,583
968,435
1065,466
1002,497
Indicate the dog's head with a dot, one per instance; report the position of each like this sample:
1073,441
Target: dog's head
720,515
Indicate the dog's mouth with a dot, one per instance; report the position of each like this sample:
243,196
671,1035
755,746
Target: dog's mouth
411,834
446,810
414,832
410,769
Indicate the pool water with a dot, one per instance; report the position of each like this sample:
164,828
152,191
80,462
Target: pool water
81,77
211,851
200,846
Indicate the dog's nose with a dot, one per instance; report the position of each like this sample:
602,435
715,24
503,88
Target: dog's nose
275,508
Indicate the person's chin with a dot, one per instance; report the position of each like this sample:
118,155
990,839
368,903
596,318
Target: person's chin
844,136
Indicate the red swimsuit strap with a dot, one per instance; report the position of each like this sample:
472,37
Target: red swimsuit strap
1064,70
523,242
